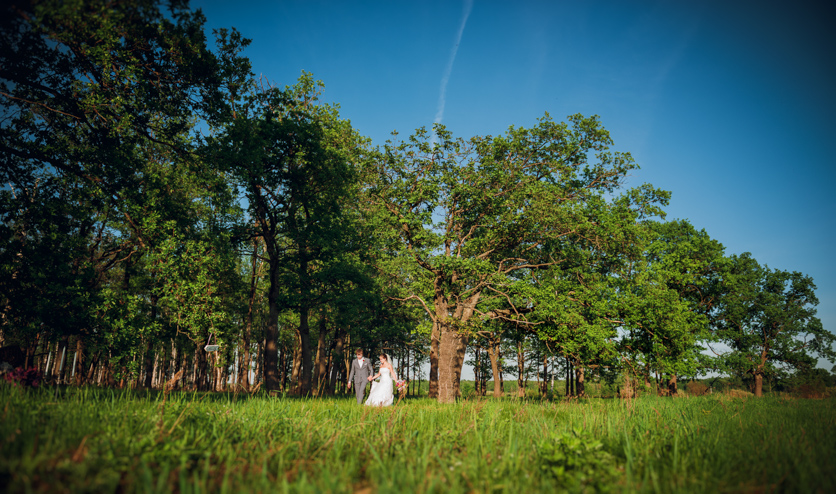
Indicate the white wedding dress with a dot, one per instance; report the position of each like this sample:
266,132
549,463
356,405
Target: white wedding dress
382,394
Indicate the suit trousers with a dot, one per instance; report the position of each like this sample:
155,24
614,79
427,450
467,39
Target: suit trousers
360,389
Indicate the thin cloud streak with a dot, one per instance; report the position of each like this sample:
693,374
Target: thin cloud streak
442,97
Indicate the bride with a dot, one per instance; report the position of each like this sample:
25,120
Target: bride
382,393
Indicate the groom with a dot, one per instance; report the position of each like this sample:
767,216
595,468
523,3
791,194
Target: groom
361,370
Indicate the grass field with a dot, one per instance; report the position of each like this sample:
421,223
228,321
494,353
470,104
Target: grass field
96,440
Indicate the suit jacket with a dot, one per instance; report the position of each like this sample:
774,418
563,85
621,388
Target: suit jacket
360,374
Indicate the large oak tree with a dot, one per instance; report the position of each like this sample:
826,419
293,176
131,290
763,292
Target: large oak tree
477,215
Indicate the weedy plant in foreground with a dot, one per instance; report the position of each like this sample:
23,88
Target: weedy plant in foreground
99,440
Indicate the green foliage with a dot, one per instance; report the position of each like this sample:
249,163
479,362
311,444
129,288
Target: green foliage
768,318
101,101
670,293
578,462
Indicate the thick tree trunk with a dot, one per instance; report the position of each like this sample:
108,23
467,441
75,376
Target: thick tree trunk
435,338
149,365
672,388
271,333
296,367
450,354
758,384
307,360
493,353
461,351
579,384
452,344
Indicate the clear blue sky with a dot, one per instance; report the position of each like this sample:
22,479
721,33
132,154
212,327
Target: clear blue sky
728,104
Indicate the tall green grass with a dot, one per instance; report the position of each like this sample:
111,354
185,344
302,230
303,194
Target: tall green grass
97,440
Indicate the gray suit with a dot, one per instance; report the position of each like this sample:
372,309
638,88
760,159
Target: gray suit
360,377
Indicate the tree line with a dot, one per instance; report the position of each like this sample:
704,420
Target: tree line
157,197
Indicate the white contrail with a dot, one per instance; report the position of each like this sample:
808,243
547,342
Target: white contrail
442,96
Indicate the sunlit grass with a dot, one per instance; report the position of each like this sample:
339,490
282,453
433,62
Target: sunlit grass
92,440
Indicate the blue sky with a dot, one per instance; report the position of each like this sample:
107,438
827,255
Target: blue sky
728,104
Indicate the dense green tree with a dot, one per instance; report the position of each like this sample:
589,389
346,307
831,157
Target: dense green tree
293,158
99,102
768,319
476,215
670,295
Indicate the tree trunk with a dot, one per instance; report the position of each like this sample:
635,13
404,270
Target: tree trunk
221,374
450,353
94,364
346,360
461,350
296,368
271,334
501,374
110,375
62,358
758,384
244,353
165,364
201,376
339,343
520,370
321,355
283,369
258,377
477,375
435,338
408,370
493,353
579,384
79,363
672,388
148,364
307,360
244,361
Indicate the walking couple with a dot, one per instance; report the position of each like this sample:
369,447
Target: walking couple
362,371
